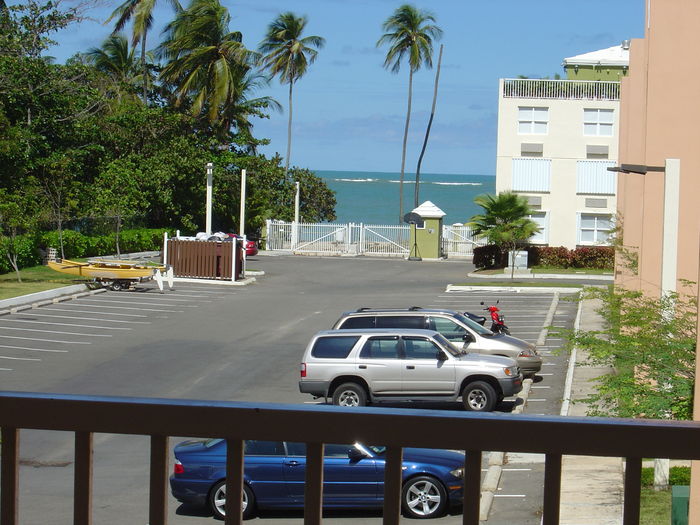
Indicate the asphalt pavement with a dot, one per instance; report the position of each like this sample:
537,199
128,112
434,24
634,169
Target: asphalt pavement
183,348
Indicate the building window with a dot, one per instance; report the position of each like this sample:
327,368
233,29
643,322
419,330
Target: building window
593,177
594,229
598,122
532,120
531,175
540,218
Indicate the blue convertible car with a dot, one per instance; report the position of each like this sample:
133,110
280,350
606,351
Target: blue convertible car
353,477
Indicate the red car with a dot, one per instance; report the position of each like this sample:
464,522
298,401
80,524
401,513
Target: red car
251,247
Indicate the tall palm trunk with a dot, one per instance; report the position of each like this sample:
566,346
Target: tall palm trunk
144,68
427,131
289,131
405,139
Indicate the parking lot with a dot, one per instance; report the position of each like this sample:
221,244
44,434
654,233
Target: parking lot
239,343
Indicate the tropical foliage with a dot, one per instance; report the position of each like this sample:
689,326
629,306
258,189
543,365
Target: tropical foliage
409,32
505,220
287,55
114,137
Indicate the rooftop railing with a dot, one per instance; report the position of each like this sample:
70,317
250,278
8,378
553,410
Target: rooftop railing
561,89
553,436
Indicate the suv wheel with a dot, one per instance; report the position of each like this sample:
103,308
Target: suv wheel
350,395
479,396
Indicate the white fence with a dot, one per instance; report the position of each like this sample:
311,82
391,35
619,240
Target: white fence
359,239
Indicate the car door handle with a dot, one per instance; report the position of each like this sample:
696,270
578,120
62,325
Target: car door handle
362,366
292,463
410,367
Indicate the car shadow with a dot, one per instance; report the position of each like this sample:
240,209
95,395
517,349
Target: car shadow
505,406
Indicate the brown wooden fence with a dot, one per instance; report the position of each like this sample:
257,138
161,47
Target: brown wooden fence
206,259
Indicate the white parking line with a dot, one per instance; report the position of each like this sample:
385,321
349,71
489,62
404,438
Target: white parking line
131,308
547,374
5,369
33,314
517,470
85,300
20,358
549,364
45,340
33,349
53,332
56,308
529,399
64,324
165,298
509,496
538,386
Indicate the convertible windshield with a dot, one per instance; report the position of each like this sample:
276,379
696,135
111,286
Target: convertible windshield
473,325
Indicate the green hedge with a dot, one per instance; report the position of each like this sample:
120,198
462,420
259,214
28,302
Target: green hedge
677,476
77,245
598,257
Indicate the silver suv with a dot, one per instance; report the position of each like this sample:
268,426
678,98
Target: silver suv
355,367
456,327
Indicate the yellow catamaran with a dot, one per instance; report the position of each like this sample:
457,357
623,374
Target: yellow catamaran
115,273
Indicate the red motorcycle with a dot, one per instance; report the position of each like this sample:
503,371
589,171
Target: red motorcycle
498,325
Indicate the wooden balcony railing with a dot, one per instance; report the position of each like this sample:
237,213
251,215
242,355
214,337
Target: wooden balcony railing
553,436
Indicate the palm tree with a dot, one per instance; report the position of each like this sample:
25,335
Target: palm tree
115,58
505,221
142,13
209,65
409,32
287,55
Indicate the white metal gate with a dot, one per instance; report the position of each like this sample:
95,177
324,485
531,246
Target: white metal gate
459,241
361,239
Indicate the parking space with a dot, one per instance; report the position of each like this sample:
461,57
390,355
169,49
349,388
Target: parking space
38,335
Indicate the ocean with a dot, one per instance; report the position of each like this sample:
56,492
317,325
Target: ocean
373,197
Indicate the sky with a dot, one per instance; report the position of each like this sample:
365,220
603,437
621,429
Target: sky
349,112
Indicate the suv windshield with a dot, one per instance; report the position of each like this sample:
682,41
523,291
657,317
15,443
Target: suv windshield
471,324
447,345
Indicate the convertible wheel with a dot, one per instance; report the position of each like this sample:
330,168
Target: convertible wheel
423,497
479,396
350,395
217,500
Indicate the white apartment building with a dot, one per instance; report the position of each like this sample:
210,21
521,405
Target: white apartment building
556,141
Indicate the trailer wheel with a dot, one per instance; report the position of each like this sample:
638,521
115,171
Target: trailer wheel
117,286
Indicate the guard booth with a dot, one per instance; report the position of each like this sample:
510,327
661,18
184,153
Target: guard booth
213,260
426,232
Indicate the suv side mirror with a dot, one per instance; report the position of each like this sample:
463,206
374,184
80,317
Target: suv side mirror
440,356
468,338
355,454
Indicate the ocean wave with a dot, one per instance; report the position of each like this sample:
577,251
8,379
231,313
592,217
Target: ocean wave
356,180
457,183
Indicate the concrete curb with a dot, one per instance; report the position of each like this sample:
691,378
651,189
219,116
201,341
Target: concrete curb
571,276
515,289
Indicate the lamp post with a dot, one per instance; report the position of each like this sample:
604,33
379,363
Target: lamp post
210,168
241,222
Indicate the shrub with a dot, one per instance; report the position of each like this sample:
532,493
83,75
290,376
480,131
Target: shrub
677,476
489,256
600,257
74,243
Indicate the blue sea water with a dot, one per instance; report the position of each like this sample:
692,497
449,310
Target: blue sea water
373,197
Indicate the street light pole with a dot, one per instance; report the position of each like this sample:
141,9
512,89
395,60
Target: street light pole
210,168
241,221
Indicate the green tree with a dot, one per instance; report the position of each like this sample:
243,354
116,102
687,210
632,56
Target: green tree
650,344
117,192
17,217
287,55
504,221
409,32
207,62
142,13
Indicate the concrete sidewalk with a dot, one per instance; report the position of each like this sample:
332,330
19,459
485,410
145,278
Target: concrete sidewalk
591,487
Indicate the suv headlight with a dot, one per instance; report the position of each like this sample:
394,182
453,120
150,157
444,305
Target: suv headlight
458,472
511,371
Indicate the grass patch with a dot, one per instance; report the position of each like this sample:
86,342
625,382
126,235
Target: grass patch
655,507
34,279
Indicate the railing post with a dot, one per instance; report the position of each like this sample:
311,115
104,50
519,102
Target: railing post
9,476
392,485
234,482
158,497
313,488
552,489
82,479
633,483
472,487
